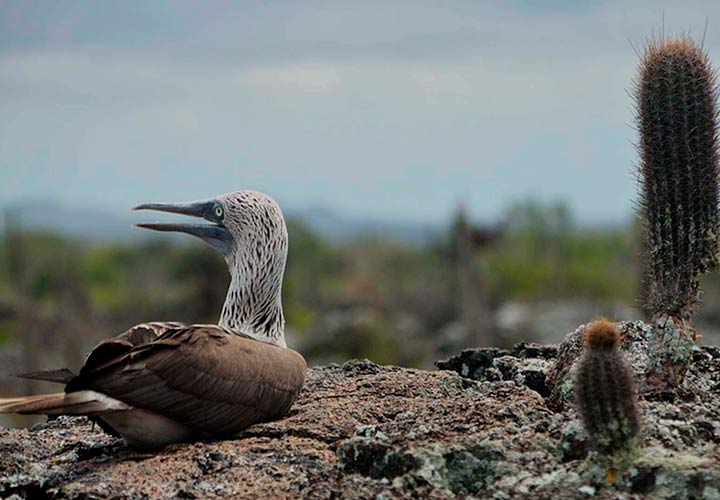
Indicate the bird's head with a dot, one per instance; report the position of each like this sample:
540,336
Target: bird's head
248,229
236,222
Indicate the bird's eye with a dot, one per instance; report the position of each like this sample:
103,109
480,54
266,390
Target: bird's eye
218,212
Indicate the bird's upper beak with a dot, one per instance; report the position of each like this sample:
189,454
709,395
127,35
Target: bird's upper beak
215,233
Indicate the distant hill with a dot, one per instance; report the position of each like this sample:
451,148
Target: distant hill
102,226
334,225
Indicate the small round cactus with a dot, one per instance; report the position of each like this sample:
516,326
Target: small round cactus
604,390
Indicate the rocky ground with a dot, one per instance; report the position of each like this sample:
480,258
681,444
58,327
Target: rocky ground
489,424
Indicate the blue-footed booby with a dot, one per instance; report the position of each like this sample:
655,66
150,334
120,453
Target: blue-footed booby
165,382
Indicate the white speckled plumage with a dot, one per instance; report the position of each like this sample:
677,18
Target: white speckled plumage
254,304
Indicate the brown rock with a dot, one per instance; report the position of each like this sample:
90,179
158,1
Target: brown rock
367,431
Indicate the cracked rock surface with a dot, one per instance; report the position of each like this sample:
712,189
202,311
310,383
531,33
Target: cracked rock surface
505,429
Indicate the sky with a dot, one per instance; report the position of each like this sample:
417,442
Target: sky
393,110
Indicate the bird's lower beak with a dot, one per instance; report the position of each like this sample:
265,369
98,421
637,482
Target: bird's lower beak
215,234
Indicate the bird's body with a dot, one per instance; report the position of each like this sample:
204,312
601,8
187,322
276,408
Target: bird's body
165,382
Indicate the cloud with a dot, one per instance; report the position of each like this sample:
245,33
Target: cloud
302,77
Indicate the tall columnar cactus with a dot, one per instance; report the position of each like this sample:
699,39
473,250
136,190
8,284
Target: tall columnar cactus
604,390
676,97
676,117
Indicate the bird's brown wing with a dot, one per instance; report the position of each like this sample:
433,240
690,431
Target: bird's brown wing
203,376
107,350
138,335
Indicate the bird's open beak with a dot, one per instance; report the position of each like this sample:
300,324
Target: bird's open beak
215,234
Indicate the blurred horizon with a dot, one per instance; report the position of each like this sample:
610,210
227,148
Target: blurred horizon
77,221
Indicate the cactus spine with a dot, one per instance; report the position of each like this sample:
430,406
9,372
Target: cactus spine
676,97
604,390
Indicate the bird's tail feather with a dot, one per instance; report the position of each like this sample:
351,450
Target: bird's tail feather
62,376
61,403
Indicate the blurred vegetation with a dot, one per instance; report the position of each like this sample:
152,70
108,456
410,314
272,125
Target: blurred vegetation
543,255
533,276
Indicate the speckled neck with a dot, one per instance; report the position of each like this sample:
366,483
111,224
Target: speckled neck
253,304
